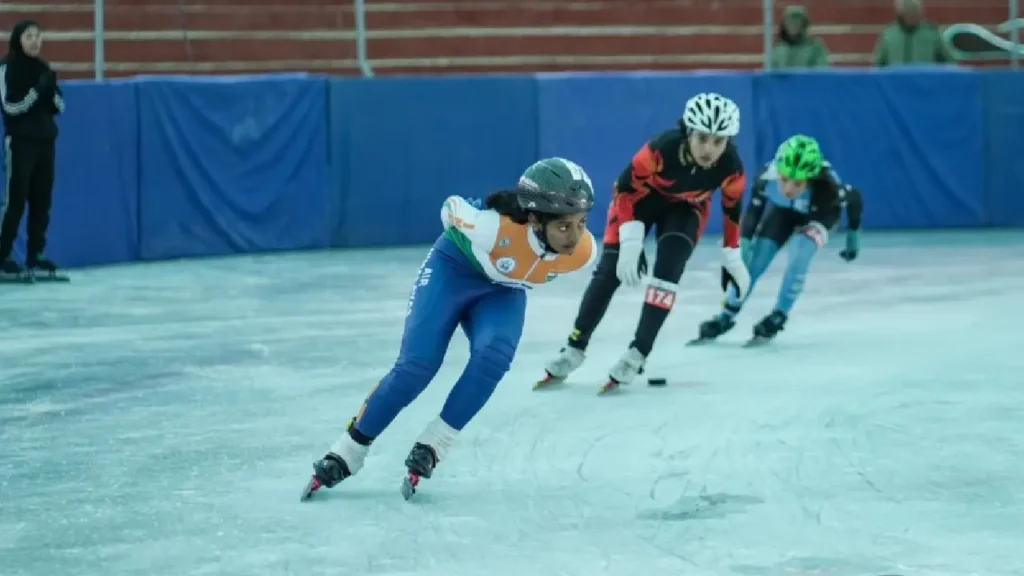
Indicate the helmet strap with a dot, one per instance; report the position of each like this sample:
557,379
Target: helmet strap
542,235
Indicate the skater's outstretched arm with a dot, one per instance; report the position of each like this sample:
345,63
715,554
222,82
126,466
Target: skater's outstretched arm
734,269
854,210
732,208
854,206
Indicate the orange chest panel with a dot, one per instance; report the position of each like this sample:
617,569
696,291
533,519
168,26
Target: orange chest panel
514,257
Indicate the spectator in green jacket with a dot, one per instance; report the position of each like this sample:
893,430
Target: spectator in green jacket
796,48
911,40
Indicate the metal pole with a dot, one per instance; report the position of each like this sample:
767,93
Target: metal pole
98,29
364,60
768,7
1015,34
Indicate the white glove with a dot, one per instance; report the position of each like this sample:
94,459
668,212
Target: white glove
734,271
631,249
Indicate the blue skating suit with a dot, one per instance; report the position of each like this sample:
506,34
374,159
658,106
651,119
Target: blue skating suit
475,277
771,220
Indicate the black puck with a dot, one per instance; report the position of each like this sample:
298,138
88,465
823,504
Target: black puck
656,382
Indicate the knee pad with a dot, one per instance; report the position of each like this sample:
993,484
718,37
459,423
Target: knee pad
493,358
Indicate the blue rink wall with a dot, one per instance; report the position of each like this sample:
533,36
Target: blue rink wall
174,167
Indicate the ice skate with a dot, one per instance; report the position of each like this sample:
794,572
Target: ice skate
420,463
344,459
711,329
42,269
556,371
327,473
12,273
766,330
624,371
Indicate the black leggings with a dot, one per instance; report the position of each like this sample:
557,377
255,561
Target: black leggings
678,230
30,171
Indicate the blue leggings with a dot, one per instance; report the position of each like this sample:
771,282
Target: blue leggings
449,291
762,251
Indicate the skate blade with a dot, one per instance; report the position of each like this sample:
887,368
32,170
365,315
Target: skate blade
700,342
312,486
547,382
16,279
609,387
49,277
757,342
409,484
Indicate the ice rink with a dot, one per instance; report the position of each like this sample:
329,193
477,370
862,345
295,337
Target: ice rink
161,420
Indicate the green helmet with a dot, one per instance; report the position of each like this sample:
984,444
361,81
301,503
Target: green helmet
555,186
799,158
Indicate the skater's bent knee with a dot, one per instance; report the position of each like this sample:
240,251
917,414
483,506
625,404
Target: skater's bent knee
413,372
493,356
420,365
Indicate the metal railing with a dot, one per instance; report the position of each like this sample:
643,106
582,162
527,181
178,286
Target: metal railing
1012,46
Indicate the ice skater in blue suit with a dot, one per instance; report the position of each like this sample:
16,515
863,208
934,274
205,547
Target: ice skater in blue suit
797,199
476,276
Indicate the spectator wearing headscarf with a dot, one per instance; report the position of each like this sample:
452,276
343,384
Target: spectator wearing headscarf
31,99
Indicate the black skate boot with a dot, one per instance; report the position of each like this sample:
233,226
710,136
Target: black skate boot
421,462
11,272
768,327
42,268
327,473
712,329
333,468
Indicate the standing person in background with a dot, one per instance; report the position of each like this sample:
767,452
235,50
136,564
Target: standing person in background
796,48
911,40
31,99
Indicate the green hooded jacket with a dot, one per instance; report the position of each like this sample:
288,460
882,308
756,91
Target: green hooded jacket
919,44
802,51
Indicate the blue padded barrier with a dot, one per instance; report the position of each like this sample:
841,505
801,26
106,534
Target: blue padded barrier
1004,95
232,165
95,198
177,166
911,140
601,120
401,146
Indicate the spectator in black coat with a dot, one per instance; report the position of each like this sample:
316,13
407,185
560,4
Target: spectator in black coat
31,99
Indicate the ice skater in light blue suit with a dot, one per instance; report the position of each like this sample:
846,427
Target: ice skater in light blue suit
798,198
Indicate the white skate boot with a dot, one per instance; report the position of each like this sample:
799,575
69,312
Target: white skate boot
568,360
625,370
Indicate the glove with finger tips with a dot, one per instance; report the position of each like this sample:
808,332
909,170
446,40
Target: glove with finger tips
631,250
734,271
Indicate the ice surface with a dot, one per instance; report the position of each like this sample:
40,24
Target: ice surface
161,420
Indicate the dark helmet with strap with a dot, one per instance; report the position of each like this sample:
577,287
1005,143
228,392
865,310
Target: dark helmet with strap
555,187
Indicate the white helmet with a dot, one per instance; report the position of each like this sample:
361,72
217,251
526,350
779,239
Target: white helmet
713,114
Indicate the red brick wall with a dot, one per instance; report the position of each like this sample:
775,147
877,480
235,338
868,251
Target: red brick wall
432,36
